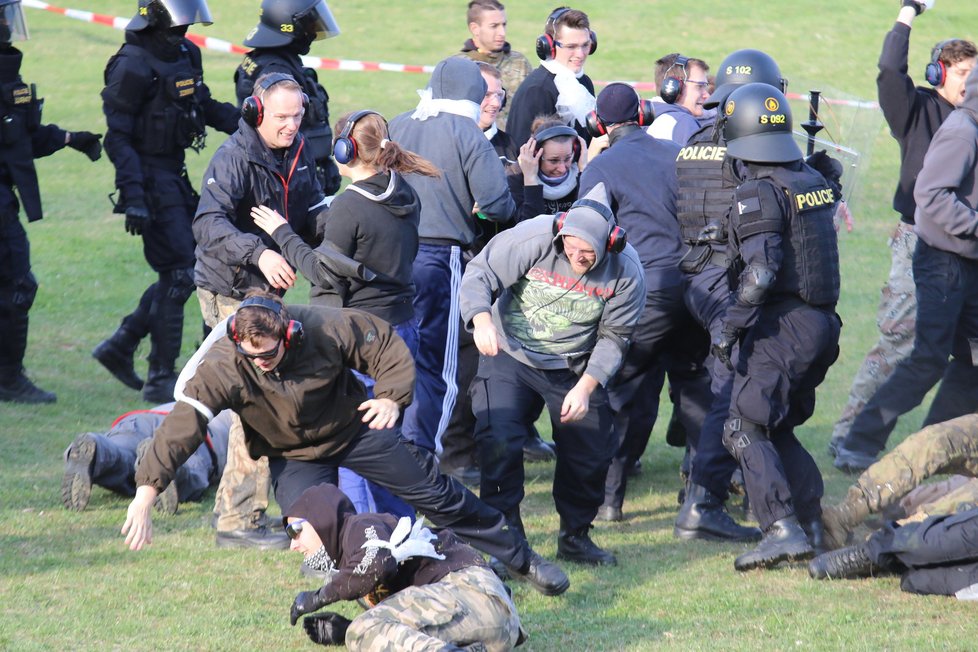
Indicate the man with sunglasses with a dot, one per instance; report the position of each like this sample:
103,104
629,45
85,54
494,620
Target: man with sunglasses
677,115
288,374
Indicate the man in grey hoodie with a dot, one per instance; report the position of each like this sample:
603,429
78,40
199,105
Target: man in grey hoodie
945,269
444,129
552,303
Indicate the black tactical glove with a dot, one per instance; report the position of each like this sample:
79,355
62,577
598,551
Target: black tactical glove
723,345
306,602
137,217
87,143
917,6
327,628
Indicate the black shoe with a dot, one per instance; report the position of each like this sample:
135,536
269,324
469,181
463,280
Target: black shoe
815,531
20,389
610,514
166,502
853,462
76,484
537,450
159,387
119,363
259,537
783,541
844,563
543,575
577,546
702,516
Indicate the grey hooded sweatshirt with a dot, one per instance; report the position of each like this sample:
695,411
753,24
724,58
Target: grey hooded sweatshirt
548,316
947,189
471,172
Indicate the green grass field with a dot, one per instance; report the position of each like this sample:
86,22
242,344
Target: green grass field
68,582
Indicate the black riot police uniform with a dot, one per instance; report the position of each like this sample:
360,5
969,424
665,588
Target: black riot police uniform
706,182
783,316
156,106
285,32
22,139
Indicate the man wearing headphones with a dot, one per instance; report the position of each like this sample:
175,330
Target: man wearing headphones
559,84
913,114
648,212
683,87
551,304
285,32
288,374
156,107
265,163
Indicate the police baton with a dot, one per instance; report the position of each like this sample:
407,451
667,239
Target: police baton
812,126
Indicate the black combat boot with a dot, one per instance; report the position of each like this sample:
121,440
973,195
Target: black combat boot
116,355
815,531
702,516
785,540
844,563
537,450
18,388
543,575
576,545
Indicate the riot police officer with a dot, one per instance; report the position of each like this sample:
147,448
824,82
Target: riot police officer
156,106
22,139
707,179
782,314
285,32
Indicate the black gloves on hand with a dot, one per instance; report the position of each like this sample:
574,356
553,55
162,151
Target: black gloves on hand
137,217
723,345
327,628
87,143
917,6
306,602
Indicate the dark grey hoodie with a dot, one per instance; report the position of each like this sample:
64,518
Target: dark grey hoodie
947,189
471,170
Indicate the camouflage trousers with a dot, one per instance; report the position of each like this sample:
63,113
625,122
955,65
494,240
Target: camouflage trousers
468,608
896,319
242,495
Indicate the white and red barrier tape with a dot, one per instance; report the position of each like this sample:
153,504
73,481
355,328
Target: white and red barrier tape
218,45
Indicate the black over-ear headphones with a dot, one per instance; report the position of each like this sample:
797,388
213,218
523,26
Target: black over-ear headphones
596,127
936,72
556,132
252,109
345,147
617,238
672,86
293,330
547,44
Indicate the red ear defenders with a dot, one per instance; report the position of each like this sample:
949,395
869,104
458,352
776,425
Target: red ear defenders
547,45
936,72
672,86
252,109
617,238
595,127
556,132
345,147
293,330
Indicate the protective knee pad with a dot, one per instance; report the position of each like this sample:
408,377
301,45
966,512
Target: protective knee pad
739,434
178,284
19,295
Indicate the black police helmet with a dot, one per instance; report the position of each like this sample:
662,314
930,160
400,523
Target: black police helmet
164,14
744,67
13,27
757,125
283,21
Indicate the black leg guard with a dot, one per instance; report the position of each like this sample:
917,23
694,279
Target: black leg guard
166,333
764,477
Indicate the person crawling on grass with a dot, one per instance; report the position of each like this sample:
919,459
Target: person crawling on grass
424,591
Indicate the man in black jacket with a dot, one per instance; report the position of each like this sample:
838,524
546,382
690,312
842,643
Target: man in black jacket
913,115
284,33
156,106
23,139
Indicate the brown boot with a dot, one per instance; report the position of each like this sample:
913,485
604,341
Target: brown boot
841,519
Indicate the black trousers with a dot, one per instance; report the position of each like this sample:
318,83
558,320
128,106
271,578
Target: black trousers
17,290
781,361
410,473
505,399
937,556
